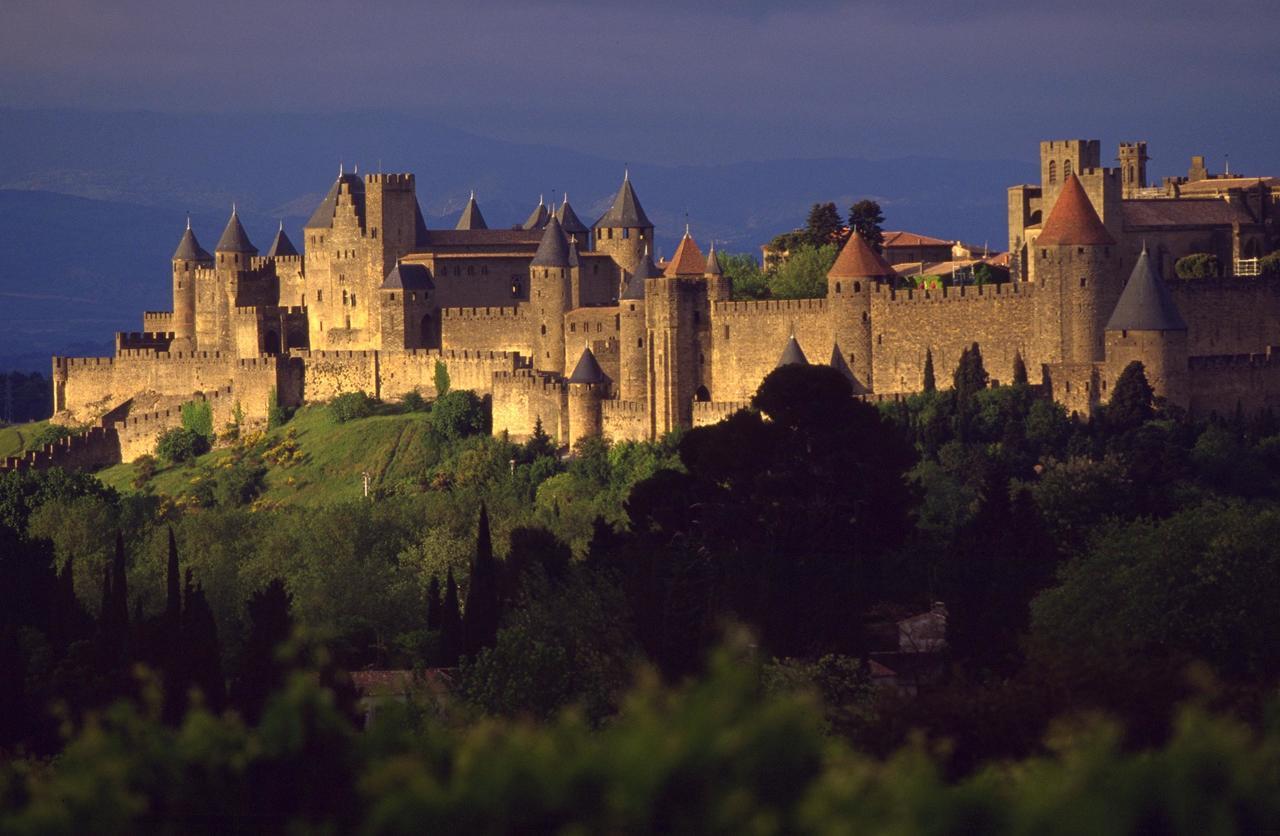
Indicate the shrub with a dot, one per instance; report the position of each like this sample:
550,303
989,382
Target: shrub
180,445
144,470
197,416
350,406
1197,266
277,415
1269,265
442,379
46,435
459,414
413,401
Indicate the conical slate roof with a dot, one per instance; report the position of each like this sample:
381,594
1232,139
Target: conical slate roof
588,369
234,239
574,261
322,218
281,245
859,260
1145,304
569,220
839,363
553,250
626,210
538,218
713,263
1073,220
189,248
688,260
471,217
408,277
792,355
646,269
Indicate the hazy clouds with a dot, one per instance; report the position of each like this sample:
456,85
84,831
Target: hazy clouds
672,81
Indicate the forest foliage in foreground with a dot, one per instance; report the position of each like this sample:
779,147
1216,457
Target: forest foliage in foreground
181,646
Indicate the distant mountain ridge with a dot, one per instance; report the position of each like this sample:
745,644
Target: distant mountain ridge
92,204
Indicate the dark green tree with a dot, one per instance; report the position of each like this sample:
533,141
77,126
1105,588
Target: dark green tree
451,630
929,384
261,670
202,652
865,218
1130,404
435,605
1019,370
823,225
13,693
970,377
482,614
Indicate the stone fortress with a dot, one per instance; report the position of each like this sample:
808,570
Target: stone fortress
576,327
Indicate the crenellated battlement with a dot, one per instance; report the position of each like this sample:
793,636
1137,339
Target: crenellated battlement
64,363
960,293
763,306
269,310
480,313
619,407
713,412
403,180
308,354
1235,361
143,340
94,447
157,320
531,380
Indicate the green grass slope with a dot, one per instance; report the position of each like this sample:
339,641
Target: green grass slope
322,460
14,438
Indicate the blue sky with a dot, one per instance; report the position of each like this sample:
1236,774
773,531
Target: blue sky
673,82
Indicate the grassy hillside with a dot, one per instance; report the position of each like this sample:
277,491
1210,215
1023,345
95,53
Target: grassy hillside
13,439
312,460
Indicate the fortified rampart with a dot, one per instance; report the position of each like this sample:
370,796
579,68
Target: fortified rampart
1228,315
748,337
706,413
907,323
624,420
522,398
1248,382
486,329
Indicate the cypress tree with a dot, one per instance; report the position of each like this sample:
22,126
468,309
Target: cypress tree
261,671
1130,404
929,384
450,624
173,601
434,604
200,641
1019,370
480,619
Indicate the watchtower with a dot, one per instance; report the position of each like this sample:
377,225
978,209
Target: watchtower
624,231
549,298
1133,168
850,282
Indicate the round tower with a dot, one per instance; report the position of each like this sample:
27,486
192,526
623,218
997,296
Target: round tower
1077,264
624,231
549,298
1146,326
850,282
588,387
632,332
719,286
234,247
186,260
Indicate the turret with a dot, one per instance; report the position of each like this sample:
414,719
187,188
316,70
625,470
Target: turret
574,229
850,281
538,218
187,258
1076,264
624,231
471,217
1133,168
549,297
688,260
234,247
405,309
792,355
588,387
632,353
1146,326
281,245
719,286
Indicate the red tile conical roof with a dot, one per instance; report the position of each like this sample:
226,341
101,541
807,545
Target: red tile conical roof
688,260
857,260
1073,220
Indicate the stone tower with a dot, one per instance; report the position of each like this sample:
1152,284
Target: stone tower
670,306
1133,168
624,231
405,309
1077,264
549,298
719,286
231,267
187,258
588,387
1146,326
850,282
632,336
574,229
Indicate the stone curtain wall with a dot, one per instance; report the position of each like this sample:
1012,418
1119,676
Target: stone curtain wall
1229,316
999,318
487,329
521,397
1219,384
747,338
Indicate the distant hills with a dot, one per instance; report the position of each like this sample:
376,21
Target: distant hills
92,204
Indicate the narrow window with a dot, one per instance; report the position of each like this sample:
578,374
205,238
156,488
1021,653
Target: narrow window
1066,169
544,333
726,332
393,296
1053,171
837,287
319,295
